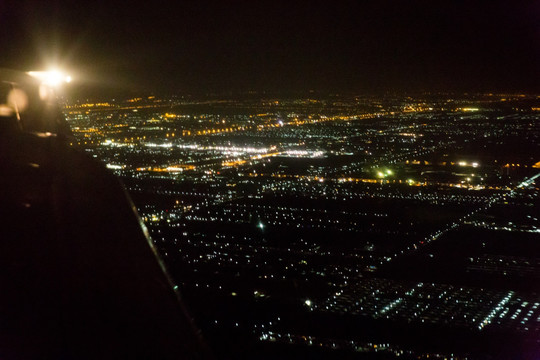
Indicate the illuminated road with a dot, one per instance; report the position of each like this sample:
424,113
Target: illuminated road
461,221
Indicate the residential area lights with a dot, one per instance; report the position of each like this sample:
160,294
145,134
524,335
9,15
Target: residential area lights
264,208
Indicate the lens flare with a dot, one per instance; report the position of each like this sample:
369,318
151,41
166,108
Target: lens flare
51,78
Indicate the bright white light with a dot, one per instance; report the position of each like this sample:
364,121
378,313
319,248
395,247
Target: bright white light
51,78
308,302
304,153
261,225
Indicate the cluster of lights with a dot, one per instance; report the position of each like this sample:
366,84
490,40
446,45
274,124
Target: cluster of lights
496,310
464,163
384,173
390,306
304,153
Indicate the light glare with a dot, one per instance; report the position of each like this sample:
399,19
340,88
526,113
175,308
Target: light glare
51,78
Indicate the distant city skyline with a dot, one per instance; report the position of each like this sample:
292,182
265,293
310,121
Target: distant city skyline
279,46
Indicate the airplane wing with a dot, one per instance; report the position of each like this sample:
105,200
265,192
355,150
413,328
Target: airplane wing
79,277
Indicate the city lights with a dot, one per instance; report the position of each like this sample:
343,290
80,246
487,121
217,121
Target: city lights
327,203
247,179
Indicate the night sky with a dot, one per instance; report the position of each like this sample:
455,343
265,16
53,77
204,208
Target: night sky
213,46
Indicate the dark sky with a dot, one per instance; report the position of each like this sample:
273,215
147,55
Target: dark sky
334,45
